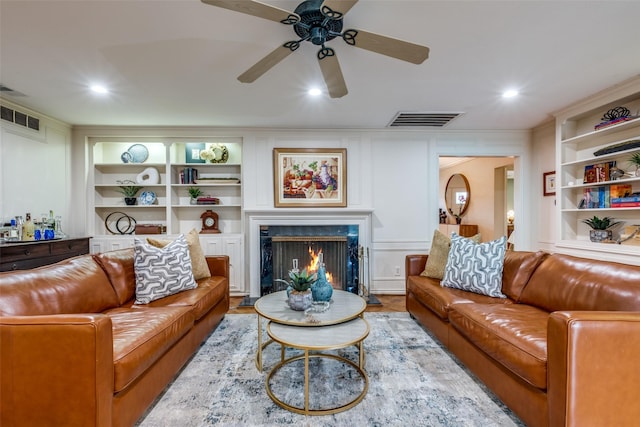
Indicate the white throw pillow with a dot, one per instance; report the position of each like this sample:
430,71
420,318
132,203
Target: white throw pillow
161,272
475,267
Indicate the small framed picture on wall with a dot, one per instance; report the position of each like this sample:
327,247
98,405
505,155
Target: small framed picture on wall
549,183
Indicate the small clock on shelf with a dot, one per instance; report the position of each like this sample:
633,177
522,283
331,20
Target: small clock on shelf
209,222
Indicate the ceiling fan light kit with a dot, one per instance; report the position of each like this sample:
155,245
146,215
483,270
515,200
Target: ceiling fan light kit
318,22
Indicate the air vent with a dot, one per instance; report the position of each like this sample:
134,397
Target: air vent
431,120
19,118
4,90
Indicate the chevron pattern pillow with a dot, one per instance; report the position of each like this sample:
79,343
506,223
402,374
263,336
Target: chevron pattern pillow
161,272
475,267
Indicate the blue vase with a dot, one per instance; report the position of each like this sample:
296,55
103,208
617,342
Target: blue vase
322,289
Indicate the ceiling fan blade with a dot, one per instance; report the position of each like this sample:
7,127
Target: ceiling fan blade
256,8
340,7
388,46
332,73
265,64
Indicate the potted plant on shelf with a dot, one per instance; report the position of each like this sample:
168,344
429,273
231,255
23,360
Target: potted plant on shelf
128,191
600,228
194,192
635,160
299,293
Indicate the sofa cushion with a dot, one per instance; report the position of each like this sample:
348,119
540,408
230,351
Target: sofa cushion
475,267
142,335
564,282
198,260
161,272
76,285
513,334
208,294
518,268
119,268
439,299
438,254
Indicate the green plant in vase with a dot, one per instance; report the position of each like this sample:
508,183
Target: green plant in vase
635,161
194,192
129,191
600,228
299,289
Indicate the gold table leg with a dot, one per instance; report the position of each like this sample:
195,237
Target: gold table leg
259,353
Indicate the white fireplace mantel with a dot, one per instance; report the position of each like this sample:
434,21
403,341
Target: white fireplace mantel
257,218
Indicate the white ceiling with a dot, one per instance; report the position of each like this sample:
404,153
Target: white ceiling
175,62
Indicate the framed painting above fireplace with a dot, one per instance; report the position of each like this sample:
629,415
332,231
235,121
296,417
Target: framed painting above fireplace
310,177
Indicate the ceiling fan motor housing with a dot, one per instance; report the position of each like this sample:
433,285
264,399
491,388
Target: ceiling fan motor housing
313,25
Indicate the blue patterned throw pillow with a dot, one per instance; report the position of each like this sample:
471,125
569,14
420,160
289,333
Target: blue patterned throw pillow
475,267
161,272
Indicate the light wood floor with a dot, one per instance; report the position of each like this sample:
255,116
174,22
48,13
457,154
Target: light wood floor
389,303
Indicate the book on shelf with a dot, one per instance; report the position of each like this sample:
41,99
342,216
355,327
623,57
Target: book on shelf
620,190
626,205
595,198
598,172
206,200
608,123
625,202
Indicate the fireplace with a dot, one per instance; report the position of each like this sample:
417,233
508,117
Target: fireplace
281,245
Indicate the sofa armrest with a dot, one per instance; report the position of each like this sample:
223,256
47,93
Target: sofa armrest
56,370
414,265
218,265
592,369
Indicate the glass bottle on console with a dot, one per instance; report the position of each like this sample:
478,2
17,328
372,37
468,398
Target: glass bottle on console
28,229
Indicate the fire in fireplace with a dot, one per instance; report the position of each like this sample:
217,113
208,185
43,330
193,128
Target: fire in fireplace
281,245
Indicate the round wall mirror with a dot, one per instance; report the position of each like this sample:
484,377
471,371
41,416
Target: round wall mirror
457,195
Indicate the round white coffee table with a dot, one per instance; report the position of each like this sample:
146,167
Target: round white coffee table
345,306
318,339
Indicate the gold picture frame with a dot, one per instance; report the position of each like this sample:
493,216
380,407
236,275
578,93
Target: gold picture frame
310,177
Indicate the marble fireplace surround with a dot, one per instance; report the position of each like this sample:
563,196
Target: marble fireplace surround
322,216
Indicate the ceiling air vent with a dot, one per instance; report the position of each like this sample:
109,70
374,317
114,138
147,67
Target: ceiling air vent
4,90
430,120
20,118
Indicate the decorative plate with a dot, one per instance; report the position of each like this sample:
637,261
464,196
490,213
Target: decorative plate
139,153
147,198
221,154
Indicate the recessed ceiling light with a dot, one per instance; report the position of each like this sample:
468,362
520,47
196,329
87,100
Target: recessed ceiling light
511,93
314,91
99,89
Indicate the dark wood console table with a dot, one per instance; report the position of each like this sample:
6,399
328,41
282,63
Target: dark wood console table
26,255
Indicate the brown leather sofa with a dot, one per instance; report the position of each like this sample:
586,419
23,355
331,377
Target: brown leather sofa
562,350
76,351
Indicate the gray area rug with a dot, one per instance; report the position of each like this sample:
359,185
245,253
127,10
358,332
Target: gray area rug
413,381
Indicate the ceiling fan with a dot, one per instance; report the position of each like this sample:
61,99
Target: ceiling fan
318,22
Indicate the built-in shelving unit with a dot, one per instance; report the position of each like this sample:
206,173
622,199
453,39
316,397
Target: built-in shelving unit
172,208
577,140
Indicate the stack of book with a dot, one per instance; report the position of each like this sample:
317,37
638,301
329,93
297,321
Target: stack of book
622,196
615,121
206,200
625,202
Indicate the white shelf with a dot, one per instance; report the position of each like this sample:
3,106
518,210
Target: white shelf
575,144
172,207
204,206
586,137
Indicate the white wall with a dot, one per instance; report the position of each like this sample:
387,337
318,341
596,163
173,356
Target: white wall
393,173
544,224
35,173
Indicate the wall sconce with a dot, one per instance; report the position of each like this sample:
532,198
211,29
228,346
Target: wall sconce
510,216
